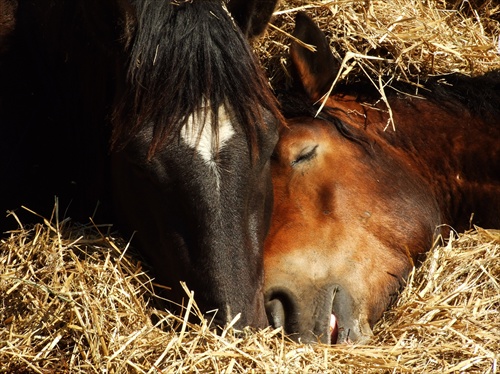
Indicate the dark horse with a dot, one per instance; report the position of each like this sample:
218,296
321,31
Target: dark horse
356,205
161,108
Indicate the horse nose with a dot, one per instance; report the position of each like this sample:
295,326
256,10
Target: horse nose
326,314
282,311
304,319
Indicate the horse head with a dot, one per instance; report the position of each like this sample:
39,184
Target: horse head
194,129
350,217
160,109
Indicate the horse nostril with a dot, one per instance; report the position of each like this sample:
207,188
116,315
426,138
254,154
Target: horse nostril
275,313
281,308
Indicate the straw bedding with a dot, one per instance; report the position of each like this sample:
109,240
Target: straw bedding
400,39
75,298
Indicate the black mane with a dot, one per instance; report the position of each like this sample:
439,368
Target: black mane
182,57
479,95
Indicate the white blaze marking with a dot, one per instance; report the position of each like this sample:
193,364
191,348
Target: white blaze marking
205,142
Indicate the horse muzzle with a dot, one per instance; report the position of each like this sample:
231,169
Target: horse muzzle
328,315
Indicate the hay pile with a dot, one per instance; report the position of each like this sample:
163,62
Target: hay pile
448,317
72,300
401,39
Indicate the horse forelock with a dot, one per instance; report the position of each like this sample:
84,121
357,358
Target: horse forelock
185,59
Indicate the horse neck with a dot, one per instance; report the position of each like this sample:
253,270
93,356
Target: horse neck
456,152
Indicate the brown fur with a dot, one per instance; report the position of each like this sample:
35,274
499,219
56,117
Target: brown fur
357,203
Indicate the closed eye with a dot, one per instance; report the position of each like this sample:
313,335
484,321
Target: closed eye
305,154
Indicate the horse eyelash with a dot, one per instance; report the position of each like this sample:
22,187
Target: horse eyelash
305,157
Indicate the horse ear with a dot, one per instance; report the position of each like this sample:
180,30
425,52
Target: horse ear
252,16
315,70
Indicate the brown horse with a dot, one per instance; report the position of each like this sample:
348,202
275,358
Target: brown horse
355,204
